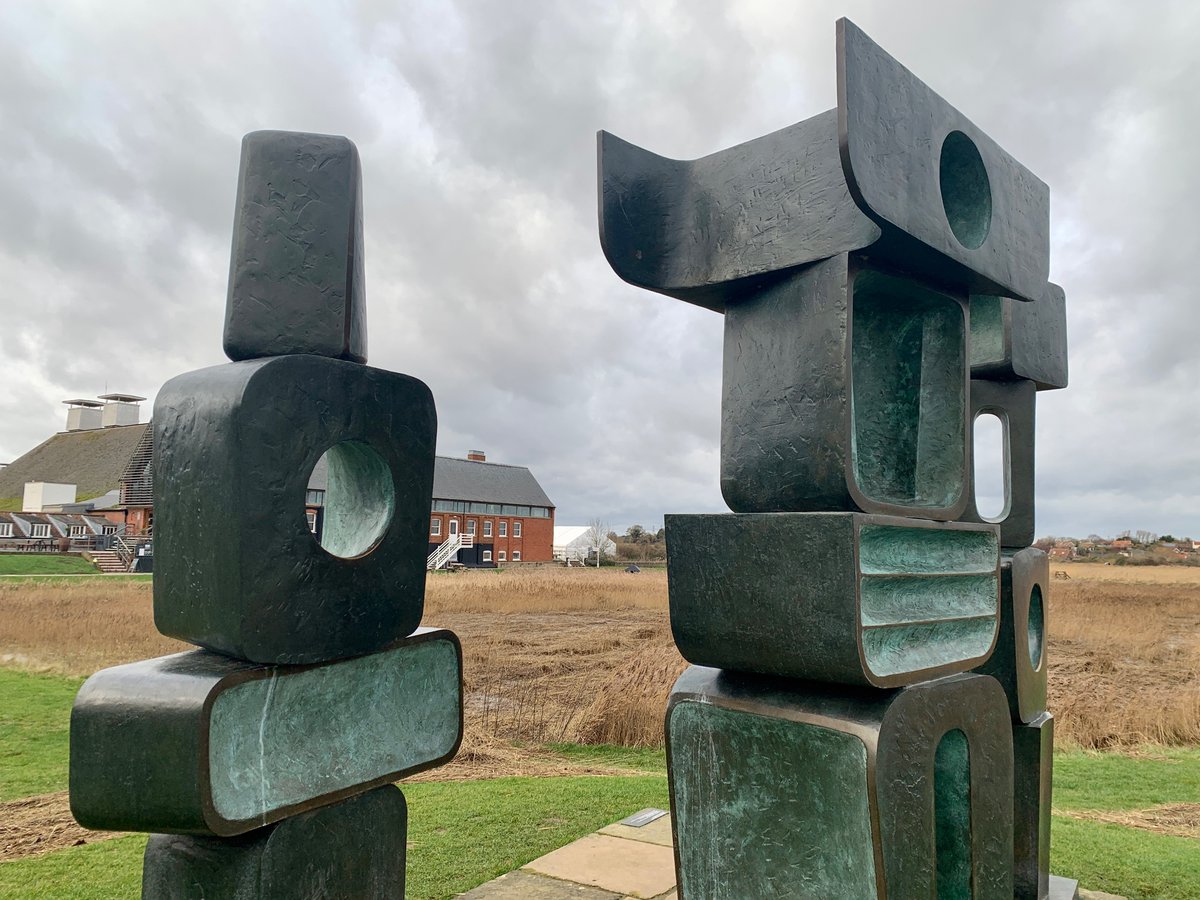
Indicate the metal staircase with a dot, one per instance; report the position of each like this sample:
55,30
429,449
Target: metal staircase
448,549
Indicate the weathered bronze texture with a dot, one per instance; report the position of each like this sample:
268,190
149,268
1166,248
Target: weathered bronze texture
845,388
787,789
296,282
1012,340
1019,661
236,568
199,743
352,849
711,230
1033,761
950,201
841,597
894,168
1014,404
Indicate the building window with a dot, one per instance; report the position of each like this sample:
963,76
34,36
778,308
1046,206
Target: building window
312,520
487,555
435,527
516,556
110,529
78,531
503,529
516,529
487,528
453,527
5,529
471,526
502,556
314,498
41,531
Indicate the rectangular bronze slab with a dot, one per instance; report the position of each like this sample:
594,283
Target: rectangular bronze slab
1019,661
354,848
780,789
877,601
1013,403
198,743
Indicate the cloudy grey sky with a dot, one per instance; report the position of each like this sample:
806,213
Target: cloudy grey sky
476,123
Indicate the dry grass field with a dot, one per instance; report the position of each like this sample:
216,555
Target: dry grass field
579,655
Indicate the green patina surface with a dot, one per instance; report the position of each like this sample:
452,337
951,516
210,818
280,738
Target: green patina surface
897,649
1035,627
966,191
899,600
987,330
359,500
895,550
769,808
285,739
952,816
909,396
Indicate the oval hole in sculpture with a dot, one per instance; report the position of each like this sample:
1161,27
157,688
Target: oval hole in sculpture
952,816
1035,626
359,499
990,452
966,191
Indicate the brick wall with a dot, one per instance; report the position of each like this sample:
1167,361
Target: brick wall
536,543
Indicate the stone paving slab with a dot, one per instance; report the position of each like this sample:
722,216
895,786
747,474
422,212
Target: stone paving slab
657,832
630,868
522,885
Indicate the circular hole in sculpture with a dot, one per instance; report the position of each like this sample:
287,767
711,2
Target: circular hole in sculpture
1035,626
350,500
966,192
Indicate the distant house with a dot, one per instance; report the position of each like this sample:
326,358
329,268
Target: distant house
43,531
1121,544
1062,554
573,543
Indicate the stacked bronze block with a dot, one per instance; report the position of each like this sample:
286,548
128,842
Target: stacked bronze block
865,713
263,761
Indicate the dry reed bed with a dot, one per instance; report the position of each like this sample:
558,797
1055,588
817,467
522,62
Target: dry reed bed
586,655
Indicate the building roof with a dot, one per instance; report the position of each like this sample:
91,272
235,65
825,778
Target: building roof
463,479
92,460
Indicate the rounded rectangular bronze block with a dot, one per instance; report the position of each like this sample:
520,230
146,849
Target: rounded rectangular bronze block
780,789
237,569
296,279
352,849
876,601
895,133
1012,341
198,743
845,387
1014,404
1019,661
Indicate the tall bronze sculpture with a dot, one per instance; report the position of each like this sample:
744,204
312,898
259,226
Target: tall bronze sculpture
865,713
263,762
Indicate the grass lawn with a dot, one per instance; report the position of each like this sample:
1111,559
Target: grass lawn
464,833
44,564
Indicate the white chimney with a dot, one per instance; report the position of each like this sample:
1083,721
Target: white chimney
121,409
83,415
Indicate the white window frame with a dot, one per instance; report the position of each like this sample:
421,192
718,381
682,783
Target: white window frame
109,529
435,526
452,528
471,526
503,528
487,555
503,556
487,527
39,530
311,516
78,531
516,556
516,529
6,529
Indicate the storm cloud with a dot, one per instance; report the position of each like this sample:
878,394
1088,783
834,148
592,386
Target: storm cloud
476,124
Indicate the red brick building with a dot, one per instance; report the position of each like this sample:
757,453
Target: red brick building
502,508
